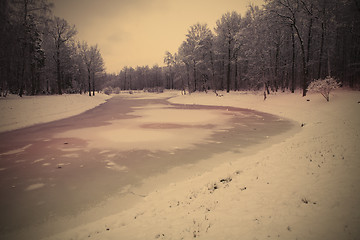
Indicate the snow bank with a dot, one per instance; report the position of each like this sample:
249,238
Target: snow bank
302,187
17,112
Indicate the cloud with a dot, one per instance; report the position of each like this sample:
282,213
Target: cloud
95,9
138,32
117,37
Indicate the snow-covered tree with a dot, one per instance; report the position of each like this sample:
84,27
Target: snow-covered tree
93,61
61,32
226,30
324,86
195,52
169,61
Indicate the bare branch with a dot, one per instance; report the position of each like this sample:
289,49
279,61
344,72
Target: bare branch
283,16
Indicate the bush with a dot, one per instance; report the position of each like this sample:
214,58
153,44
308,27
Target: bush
116,90
108,90
154,90
324,86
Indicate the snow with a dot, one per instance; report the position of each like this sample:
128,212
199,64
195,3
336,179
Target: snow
16,151
17,112
304,186
34,186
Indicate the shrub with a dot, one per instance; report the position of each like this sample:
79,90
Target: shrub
108,90
154,90
116,90
324,86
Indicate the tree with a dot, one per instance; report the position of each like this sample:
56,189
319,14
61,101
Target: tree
324,86
169,61
61,33
226,29
303,17
5,39
37,51
289,11
195,53
21,54
98,64
93,62
256,48
184,54
282,45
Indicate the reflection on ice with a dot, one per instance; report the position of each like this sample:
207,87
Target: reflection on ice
158,128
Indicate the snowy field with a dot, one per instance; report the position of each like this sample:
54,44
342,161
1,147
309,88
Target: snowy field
17,112
302,187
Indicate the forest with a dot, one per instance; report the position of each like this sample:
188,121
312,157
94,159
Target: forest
39,54
281,46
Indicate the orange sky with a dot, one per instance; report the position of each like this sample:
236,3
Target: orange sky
138,32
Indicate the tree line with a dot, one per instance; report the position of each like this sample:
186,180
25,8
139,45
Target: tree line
282,46
39,53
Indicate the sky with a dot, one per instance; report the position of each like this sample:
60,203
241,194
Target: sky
138,32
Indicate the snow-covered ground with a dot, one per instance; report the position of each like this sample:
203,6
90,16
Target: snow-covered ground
303,187
17,112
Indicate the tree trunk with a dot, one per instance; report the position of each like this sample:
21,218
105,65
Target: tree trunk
293,60
303,57
24,50
321,49
307,59
125,80
58,70
89,81
323,27
213,85
236,74
33,81
93,83
267,87
194,72
130,87
240,84
328,63
228,69
305,73
21,84
222,73
276,66
188,77
171,79
309,42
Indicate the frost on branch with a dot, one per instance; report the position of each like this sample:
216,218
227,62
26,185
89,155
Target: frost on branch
324,86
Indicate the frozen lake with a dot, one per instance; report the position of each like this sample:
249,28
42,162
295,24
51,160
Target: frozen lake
88,166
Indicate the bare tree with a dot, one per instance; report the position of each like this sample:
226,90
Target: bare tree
295,12
185,57
93,62
169,61
61,33
227,28
21,43
195,53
